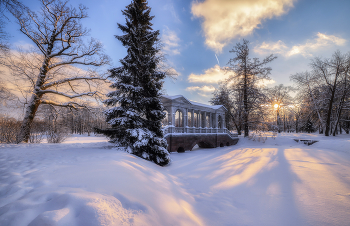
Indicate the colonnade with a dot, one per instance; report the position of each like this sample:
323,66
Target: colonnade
184,117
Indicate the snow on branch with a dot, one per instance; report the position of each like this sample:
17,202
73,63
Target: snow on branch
66,95
58,34
66,80
73,105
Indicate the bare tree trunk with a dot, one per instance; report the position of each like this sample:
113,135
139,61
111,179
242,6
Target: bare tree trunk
34,102
328,122
340,129
24,133
245,103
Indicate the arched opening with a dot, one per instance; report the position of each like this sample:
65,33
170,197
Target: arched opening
219,122
204,144
195,122
178,119
195,147
180,150
221,144
203,120
189,119
227,144
165,120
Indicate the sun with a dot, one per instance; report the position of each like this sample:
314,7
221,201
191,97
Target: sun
276,106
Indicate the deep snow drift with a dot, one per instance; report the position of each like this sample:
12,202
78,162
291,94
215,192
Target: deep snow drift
86,182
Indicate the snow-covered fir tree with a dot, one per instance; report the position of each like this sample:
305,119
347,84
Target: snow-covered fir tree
137,111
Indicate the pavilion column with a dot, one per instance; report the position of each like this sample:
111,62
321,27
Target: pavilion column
211,120
186,120
169,117
223,121
199,119
192,117
204,121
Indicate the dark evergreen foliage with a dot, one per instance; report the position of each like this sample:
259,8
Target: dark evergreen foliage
222,96
308,127
137,111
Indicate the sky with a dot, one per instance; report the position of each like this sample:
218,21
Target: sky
198,35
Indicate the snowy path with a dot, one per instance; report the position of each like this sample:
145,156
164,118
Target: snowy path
83,182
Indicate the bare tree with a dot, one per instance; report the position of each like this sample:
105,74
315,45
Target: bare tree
247,75
5,94
331,72
14,7
279,98
57,34
309,95
223,96
327,88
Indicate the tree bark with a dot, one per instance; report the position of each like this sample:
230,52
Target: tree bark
28,119
34,101
245,103
328,121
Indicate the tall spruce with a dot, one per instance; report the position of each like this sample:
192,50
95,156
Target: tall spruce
137,111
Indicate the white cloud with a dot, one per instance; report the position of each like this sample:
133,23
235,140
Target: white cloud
212,75
206,89
321,41
171,42
225,20
276,48
266,82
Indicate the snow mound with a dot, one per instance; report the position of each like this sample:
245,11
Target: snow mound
87,184
83,183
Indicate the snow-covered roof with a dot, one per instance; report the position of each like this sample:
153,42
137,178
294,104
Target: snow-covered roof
207,106
215,107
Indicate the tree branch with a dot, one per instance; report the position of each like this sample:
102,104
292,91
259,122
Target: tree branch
66,95
62,81
73,105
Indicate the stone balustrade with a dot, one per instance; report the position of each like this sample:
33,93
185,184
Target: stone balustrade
191,130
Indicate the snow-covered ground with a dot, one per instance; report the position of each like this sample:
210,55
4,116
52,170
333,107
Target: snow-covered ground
84,181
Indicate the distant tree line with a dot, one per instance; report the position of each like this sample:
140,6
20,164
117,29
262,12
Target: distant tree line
55,124
321,102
